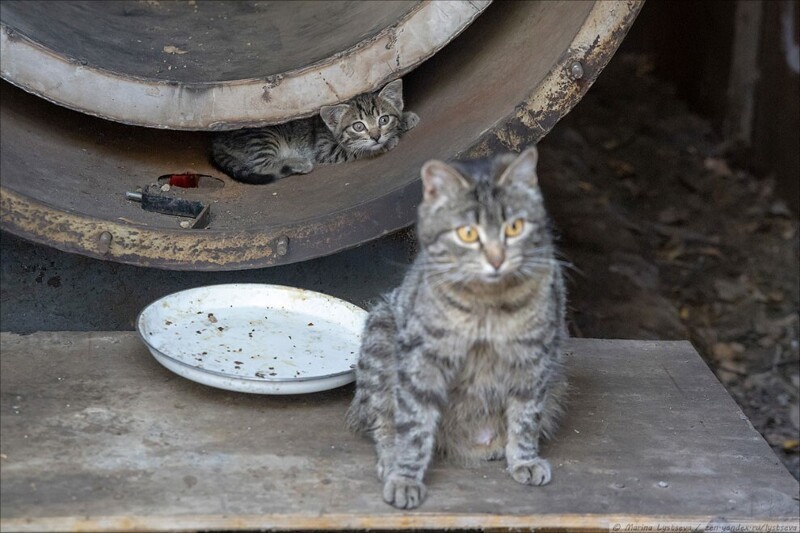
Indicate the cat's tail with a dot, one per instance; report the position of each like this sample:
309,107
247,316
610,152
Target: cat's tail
372,406
555,403
253,178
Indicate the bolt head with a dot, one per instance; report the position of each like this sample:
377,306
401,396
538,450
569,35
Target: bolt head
282,246
576,70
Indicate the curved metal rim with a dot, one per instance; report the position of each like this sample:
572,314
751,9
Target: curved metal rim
593,46
239,103
220,250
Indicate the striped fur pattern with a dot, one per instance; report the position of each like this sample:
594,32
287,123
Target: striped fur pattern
366,126
464,358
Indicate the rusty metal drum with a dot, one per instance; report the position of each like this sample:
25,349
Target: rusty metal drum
495,77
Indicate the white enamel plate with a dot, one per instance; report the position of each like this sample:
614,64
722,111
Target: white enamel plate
263,339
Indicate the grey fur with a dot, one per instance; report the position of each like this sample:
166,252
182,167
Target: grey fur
465,357
261,155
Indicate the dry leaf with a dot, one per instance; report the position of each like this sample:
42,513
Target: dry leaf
775,296
729,291
791,446
794,415
174,50
622,169
717,166
710,250
727,351
673,215
779,208
674,252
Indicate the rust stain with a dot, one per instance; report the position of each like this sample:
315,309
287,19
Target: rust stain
392,36
144,246
270,82
533,120
273,81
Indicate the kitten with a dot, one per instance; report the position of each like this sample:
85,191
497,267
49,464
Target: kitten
465,356
368,125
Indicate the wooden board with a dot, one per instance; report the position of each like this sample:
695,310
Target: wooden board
97,436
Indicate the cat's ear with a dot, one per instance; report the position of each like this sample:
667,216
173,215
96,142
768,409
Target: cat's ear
440,180
393,93
332,115
520,169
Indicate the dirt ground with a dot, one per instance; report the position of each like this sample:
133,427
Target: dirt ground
672,239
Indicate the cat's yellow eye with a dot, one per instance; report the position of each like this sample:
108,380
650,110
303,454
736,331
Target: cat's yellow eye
514,228
467,234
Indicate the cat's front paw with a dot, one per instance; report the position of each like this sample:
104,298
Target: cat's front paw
403,492
535,472
296,166
410,120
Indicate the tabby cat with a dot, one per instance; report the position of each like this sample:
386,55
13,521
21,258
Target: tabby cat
368,125
465,356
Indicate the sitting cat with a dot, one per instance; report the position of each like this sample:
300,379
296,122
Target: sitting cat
465,356
368,125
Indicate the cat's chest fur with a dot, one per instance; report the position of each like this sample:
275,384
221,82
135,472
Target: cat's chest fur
497,320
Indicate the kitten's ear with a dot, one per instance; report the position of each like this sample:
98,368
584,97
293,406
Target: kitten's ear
393,93
332,115
521,169
440,179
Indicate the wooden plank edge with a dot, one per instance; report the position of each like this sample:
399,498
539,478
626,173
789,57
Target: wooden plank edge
400,520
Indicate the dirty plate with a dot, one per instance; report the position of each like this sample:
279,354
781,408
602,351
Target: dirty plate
264,339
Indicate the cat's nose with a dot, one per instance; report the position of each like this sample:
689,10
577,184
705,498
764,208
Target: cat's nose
375,136
495,256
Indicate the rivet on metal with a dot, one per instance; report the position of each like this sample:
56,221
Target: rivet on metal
576,70
282,246
104,242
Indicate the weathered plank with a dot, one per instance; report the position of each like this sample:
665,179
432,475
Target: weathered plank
95,435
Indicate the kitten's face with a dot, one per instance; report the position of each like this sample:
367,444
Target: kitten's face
484,221
366,124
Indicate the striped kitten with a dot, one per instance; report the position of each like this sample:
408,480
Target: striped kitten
465,356
366,126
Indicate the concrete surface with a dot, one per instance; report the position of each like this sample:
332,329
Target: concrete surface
43,289
97,436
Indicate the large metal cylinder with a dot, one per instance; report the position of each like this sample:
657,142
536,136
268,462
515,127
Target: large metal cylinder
501,84
204,65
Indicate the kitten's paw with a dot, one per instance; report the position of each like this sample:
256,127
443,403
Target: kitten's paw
391,144
410,120
535,472
403,492
296,166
